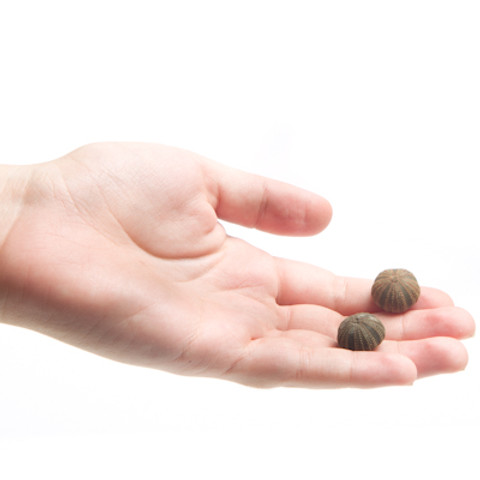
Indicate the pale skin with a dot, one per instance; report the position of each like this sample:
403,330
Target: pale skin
117,249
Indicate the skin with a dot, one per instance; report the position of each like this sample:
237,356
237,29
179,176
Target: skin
117,249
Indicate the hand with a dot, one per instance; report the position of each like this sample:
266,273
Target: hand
117,249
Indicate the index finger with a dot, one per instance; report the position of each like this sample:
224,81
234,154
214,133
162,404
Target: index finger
266,204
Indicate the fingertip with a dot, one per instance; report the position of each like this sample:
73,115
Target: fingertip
436,355
454,354
408,372
292,211
457,357
266,204
319,215
396,370
433,298
456,321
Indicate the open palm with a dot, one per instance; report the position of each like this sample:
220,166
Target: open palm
117,249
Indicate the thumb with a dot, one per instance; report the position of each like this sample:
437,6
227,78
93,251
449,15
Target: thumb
269,205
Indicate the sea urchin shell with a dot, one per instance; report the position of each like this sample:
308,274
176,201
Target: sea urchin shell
362,331
395,290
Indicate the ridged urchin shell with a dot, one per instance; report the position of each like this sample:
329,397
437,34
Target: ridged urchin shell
395,290
362,331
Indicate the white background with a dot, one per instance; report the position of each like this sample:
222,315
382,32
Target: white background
373,104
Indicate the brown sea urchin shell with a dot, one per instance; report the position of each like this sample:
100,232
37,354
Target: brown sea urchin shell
362,331
395,290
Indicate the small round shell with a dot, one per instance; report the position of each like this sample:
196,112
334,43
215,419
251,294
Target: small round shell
395,290
362,331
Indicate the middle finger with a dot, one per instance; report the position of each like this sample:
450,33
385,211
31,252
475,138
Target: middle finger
413,325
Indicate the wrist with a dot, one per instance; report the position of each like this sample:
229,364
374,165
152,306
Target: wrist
14,181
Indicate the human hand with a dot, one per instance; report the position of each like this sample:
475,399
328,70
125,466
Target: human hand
117,249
